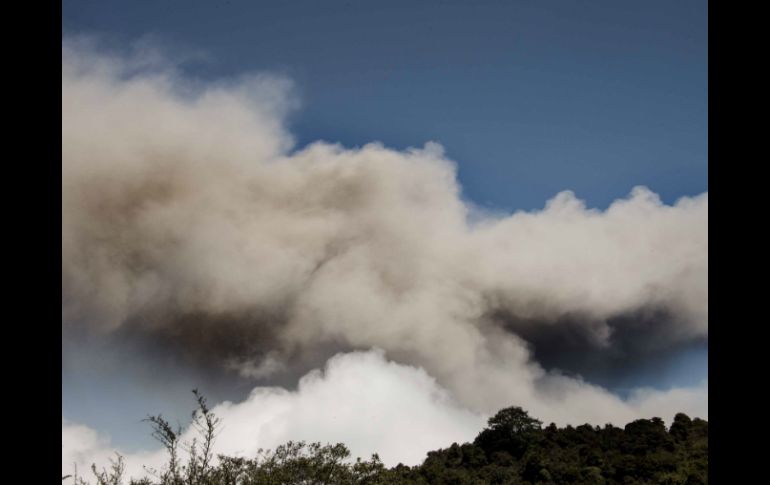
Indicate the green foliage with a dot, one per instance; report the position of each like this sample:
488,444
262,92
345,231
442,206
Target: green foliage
511,430
299,463
513,449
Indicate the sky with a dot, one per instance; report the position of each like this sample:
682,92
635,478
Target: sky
530,98
487,111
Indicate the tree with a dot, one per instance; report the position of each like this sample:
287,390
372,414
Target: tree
198,467
114,476
680,428
510,430
514,420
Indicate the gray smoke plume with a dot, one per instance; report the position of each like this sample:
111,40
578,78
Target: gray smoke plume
190,222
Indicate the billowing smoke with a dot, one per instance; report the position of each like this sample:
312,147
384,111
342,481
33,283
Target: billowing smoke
190,222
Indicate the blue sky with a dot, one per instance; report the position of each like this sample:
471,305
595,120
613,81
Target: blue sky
528,97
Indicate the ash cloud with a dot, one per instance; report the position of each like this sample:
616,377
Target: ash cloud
191,222
604,351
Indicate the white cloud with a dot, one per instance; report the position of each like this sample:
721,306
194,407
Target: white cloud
360,399
372,405
82,447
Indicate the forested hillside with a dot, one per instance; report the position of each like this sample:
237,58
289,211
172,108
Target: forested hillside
514,448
